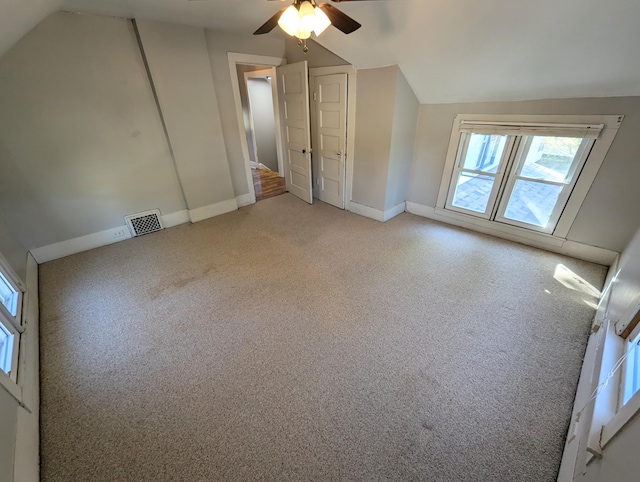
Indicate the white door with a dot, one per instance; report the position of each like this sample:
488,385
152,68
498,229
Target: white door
330,137
293,95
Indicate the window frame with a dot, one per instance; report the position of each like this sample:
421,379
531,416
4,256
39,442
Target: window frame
576,197
12,323
498,176
515,173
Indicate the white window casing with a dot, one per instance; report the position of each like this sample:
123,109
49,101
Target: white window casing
597,134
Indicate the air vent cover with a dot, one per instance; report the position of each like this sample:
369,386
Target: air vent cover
144,223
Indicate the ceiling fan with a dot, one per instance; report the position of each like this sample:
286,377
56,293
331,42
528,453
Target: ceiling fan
303,17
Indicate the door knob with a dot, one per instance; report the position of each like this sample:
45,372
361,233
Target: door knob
339,153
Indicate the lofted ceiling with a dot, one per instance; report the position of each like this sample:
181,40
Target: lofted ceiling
449,50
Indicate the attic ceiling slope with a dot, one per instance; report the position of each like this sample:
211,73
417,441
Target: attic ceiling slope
461,51
17,17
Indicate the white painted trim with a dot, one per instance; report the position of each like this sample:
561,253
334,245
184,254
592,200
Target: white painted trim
377,214
626,413
27,449
519,235
584,181
394,211
82,243
101,238
243,200
211,210
10,387
351,133
366,211
174,219
247,59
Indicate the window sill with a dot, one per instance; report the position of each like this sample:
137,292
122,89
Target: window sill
515,231
519,235
11,387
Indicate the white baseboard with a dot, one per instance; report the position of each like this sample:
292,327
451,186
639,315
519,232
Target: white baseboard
374,213
101,238
394,211
211,210
366,211
244,200
537,240
173,219
83,243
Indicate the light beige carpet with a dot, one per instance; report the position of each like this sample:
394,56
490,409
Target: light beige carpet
294,342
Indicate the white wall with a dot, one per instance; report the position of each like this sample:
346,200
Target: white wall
386,116
219,45
375,102
81,142
608,217
12,249
261,101
405,118
178,59
8,420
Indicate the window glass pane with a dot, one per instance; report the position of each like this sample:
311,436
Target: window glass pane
473,191
8,296
632,375
484,152
6,349
532,202
550,158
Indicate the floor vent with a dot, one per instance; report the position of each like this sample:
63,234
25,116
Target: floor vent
144,223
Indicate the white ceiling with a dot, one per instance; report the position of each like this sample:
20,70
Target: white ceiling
17,17
449,50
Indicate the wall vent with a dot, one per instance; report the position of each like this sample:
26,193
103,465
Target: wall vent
144,223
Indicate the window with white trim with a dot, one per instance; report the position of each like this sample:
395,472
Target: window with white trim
11,291
519,174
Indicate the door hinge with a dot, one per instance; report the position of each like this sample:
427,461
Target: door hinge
314,96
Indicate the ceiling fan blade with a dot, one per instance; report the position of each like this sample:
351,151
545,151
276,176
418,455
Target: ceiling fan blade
270,24
339,20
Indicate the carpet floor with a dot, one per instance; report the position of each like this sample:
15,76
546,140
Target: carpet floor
289,342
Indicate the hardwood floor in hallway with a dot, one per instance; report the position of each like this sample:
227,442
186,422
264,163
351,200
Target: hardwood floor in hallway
267,183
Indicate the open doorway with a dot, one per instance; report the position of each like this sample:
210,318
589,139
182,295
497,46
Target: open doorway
258,97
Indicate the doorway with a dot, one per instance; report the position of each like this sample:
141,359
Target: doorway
258,98
238,65
287,151
260,130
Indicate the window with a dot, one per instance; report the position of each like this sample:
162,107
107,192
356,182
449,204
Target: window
10,325
521,175
631,377
8,296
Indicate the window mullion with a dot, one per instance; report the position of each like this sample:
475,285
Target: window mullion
504,178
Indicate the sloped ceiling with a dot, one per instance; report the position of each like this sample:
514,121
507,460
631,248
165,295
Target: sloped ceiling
17,17
449,50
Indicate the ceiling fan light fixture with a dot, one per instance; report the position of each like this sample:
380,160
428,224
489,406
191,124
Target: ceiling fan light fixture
303,34
290,20
322,22
307,16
